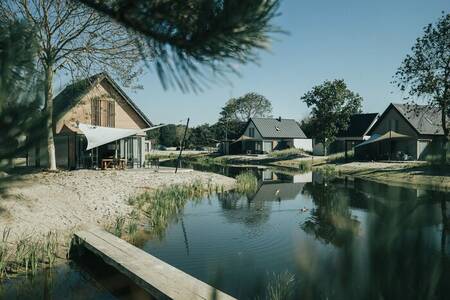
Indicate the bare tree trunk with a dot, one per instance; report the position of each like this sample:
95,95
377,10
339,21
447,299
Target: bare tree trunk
49,110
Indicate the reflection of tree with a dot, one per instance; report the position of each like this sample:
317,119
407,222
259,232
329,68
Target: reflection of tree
398,256
239,209
331,220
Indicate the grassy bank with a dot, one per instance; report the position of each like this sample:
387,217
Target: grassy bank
420,174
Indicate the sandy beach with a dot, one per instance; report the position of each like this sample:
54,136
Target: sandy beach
70,200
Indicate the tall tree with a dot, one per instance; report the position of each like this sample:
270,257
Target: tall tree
236,113
188,35
74,39
168,135
332,104
201,136
248,106
425,73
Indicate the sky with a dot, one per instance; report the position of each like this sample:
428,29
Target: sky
360,41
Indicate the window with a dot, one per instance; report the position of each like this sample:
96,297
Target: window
103,112
95,112
251,132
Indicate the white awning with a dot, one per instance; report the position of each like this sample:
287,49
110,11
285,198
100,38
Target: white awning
390,135
98,135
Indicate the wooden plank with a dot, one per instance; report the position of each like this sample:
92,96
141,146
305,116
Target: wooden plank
158,278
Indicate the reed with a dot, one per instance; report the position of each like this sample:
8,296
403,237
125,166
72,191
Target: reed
162,205
4,252
30,253
280,287
305,165
328,171
246,183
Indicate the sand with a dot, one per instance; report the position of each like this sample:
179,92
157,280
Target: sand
71,200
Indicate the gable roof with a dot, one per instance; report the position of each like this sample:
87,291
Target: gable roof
278,128
359,125
74,92
424,119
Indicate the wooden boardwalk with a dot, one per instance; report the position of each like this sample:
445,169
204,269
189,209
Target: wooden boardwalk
158,278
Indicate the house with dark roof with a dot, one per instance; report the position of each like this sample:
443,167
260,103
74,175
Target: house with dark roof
356,132
403,131
99,101
264,135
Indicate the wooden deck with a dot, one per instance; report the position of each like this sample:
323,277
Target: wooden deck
158,278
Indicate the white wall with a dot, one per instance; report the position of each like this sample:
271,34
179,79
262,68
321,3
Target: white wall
305,144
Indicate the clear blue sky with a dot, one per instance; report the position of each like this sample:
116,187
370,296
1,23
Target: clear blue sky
360,41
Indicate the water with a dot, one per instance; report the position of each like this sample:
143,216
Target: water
340,239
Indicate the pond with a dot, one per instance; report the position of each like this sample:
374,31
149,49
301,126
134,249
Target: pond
316,237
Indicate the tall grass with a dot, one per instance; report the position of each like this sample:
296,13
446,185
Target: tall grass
340,157
305,165
287,153
164,204
246,183
30,253
280,287
124,226
328,171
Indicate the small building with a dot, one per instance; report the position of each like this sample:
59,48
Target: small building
264,135
403,132
97,101
357,132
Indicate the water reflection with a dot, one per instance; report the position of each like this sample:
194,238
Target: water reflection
341,239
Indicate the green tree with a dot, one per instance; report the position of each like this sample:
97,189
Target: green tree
425,73
201,136
332,104
168,135
245,107
236,113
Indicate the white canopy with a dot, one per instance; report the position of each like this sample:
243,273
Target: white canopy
98,135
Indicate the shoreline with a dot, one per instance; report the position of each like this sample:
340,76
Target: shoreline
66,201
410,173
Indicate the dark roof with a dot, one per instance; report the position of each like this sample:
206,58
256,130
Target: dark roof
73,93
278,128
359,125
425,119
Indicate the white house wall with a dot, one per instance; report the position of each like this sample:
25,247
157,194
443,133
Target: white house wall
305,144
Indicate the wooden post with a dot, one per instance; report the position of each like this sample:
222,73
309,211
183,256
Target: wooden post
345,149
182,145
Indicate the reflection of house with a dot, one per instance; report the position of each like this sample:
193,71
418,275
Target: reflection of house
403,131
264,135
277,192
97,100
